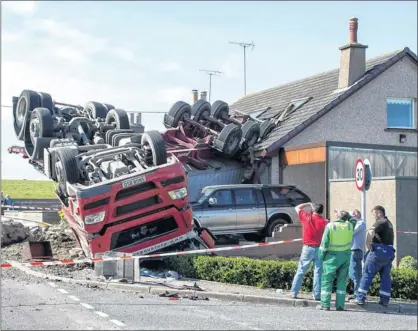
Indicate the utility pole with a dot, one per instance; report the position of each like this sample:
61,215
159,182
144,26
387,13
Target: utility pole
244,45
210,73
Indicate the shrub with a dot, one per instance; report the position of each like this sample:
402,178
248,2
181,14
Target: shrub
276,274
408,262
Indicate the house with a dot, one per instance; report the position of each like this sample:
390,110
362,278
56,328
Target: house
363,109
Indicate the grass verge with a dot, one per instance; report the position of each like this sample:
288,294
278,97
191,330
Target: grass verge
28,189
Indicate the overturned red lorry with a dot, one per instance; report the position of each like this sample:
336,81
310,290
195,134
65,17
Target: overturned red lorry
124,191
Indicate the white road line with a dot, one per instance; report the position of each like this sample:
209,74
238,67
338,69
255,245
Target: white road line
118,323
52,284
101,314
62,291
86,305
74,298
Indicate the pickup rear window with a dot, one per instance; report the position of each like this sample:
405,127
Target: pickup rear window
284,195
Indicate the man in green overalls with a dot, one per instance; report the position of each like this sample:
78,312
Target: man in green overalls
335,252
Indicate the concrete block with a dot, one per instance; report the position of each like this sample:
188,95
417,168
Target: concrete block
50,217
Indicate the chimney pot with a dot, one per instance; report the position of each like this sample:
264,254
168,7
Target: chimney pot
203,95
353,30
195,95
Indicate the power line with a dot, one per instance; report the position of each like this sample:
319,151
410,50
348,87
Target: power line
244,45
142,112
210,73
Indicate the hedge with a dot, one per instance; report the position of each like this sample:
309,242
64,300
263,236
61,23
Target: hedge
276,274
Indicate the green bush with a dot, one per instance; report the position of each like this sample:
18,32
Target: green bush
408,262
276,274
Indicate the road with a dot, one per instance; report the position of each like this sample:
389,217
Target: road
30,303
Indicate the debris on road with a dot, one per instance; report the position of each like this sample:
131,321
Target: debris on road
13,232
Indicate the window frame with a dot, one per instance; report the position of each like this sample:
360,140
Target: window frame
220,190
413,102
253,194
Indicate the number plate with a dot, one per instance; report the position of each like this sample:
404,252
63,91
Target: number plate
133,181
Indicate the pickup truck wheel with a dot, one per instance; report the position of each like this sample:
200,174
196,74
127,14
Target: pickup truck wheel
250,133
155,148
265,128
180,111
66,169
46,102
28,101
230,136
220,109
118,117
200,110
274,226
96,109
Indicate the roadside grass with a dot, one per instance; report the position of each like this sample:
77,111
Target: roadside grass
28,189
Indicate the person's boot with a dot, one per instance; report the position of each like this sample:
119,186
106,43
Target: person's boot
319,307
359,302
339,309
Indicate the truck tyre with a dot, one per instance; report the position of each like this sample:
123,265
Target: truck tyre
28,101
201,109
220,109
230,136
41,124
66,169
96,109
119,117
274,225
250,133
108,106
154,145
178,112
265,128
46,102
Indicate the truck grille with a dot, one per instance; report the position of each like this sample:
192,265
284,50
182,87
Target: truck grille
143,232
137,205
127,192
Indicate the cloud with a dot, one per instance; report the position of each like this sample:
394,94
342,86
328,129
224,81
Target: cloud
232,65
7,36
170,66
19,7
123,53
171,95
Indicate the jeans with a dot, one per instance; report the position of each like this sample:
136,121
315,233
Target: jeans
356,268
308,255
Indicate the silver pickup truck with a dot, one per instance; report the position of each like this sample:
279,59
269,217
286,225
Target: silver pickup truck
254,210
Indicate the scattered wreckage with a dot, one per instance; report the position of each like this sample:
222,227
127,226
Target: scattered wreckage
124,191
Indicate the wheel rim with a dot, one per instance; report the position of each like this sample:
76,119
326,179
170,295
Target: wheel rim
34,129
233,142
59,172
20,112
277,228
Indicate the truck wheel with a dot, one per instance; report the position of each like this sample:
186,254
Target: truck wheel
96,109
230,136
28,101
46,102
265,128
155,148
108,107
201,109
250,133
220,109
41,124
178,112
274,226
66,169
118,117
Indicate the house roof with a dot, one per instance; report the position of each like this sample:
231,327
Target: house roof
323,91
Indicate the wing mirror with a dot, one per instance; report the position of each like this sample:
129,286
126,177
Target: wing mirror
212,201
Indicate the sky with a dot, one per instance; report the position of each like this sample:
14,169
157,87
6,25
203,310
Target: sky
145,56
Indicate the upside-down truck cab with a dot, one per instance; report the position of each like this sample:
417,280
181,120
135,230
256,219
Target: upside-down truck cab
138,213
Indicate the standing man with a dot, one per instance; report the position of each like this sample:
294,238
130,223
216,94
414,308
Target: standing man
379,258
313,225
357,250
335,251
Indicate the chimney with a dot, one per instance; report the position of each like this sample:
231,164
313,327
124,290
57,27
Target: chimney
353,58
137,118
203,95
131,118
195,95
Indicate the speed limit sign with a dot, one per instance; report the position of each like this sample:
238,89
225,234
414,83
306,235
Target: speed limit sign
360,175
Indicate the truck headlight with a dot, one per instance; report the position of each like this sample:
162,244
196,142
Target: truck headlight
94,218
181,193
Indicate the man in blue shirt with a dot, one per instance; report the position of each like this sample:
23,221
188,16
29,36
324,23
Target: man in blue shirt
357,250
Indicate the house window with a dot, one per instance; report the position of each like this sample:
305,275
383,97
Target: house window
400,113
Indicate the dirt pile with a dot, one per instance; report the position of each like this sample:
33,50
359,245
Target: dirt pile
13,232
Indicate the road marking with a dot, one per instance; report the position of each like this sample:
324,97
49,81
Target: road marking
52,285
62,291
101,314
74,298
118,323
86,305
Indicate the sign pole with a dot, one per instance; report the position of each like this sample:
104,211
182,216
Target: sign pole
363,205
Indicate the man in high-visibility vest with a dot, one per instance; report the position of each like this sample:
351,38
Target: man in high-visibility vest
335,252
